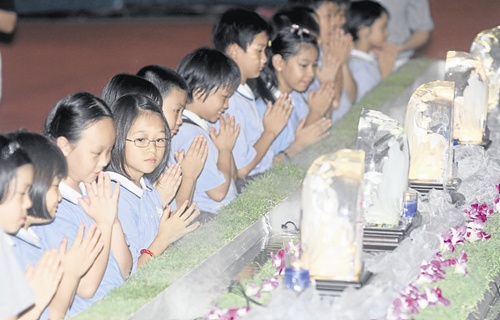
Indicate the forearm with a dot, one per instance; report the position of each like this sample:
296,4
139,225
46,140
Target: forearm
120,250
348,83
224,164
157,247
90,282
64,296
186,190
261,147
417,40
33,313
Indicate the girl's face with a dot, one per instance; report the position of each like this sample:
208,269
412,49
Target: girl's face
53,197
14,208
173,104
214,105
297,72
139,161
91,154
378,31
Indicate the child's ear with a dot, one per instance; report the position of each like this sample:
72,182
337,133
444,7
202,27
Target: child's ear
363,32
233,50
278,62
64,145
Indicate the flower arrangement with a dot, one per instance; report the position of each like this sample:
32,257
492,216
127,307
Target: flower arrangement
419,294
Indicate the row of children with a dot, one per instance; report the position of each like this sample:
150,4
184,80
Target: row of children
116,180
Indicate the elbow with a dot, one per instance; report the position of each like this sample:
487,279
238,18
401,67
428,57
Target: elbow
86,292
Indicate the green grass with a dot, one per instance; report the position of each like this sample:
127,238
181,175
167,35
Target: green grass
257,199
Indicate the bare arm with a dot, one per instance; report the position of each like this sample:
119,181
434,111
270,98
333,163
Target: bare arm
416,41
275,119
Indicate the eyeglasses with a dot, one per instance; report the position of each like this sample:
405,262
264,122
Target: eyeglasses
144,143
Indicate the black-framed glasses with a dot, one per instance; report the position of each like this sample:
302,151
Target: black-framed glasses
144,143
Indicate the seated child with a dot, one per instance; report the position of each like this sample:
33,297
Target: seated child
243,35
367,23
123,84
22,296
335,47
139,157
49,168
174,92
291,67
212,78
83,128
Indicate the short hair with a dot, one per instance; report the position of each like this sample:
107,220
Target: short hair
238,26
287,43
49,163
12,156
124,83
73,114
302,16
206,70
165,79
127,110
362,14
315,4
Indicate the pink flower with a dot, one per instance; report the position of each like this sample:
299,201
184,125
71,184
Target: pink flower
453,237
461,265
270,284
278,260
227,314
293,249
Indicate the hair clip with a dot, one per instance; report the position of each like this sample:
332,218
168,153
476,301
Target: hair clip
269,43
300,31
8,150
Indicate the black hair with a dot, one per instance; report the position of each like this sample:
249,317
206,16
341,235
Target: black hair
73,114
206,70
315,4
49,163
126,111
124,83
362,14
287,43
12,156
165,79
300,15
238,26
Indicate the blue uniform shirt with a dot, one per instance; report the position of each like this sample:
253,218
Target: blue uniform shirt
69,216
210,177
365,71
139,212
243,107
28,249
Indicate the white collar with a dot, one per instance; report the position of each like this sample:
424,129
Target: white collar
29,236
128,184
8,238
246,91
368,56
71,195
196,119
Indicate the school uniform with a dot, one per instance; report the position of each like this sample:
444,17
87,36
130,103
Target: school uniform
69,216
243,107
210,176
365,71
139,212
16,295
27,248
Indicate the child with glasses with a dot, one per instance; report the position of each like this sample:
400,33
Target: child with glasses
138,158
